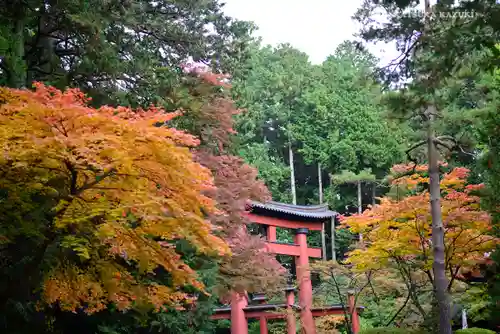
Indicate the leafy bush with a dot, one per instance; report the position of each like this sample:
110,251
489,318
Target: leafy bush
384,330
474,331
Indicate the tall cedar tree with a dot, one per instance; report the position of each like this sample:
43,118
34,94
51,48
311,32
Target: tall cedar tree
430,44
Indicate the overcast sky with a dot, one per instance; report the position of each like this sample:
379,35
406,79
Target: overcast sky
312,26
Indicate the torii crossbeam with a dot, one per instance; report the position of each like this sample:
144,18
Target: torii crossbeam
301,219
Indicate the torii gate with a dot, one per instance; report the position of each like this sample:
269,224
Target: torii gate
301,219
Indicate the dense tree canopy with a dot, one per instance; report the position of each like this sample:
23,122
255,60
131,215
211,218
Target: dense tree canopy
119,52
344,126
114,196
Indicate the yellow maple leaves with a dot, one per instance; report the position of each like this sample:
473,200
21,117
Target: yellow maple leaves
400,230
122,182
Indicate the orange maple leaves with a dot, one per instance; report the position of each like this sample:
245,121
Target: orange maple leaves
122,181
400,230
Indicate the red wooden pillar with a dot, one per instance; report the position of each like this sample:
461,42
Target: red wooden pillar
263,325
271,233
305,285
354,313
291,327
239,324
263,320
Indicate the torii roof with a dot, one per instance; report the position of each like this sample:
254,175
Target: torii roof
307,211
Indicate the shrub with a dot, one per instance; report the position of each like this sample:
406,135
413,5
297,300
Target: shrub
474,331
384,330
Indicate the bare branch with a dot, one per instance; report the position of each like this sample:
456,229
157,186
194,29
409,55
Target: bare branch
465,152
398,61
99,178
456,144
437,142
410,157
453,277
415,146
399,311
450,138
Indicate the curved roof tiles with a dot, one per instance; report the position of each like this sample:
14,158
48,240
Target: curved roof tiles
310,211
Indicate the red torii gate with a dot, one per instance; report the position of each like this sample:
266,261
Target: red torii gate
301,219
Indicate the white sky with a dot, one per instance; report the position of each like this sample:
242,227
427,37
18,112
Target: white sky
313,26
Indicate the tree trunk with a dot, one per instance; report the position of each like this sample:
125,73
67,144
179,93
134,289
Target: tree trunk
292,173
464,319
320,184
438,248
323,236
334,256
15,64
323,241
360,208
374,193
360,204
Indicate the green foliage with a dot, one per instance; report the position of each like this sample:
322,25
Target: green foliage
126,53
487,133
386,330
477,302
379,311
343,241
269,87
271,169
270,90
273,327
330,111
474,331
349,177
344,126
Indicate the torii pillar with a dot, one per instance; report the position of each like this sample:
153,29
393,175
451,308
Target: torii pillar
239,324
304,279
290,316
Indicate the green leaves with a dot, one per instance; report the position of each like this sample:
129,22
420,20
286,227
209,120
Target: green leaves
77,244
350,177
272,170
477,302
119,50
343,127
272,91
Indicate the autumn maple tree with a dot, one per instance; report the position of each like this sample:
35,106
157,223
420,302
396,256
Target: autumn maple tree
100,195
209,115
397,232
